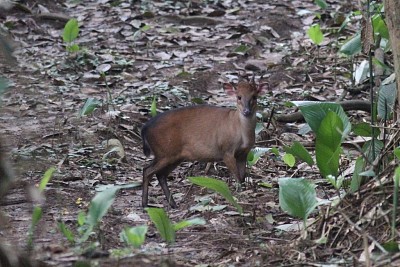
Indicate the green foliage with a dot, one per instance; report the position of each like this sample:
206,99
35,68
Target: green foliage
46,178
218,186
66,232
289,159
357,178
299,151
352,46
315,112
36,216
364,129
153,108
242,49
90,105
397,152
328,144
379,26
337,182
297,197
134,236
255,154
163,224
37,210
321,3
70,33
186,223
98,207
367,149
315,34
386,100
139,32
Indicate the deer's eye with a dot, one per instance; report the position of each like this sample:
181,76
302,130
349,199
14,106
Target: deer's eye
239,97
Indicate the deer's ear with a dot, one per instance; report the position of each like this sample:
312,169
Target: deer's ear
229,88
262,88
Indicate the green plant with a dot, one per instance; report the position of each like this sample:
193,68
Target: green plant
255,154
134,236
218,186
165,227
153,108
89,221
37,210
297,197
315,34
70,33
90,105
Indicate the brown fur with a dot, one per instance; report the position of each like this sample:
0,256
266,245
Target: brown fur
202,133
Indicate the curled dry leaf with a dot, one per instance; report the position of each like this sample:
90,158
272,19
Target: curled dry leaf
115,150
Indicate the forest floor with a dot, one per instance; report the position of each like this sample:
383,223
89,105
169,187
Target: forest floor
187,50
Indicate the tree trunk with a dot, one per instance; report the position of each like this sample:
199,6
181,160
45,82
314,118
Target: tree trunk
392,12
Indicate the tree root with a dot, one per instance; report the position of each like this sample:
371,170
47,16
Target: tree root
346,105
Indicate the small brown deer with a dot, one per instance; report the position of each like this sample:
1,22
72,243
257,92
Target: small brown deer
202,133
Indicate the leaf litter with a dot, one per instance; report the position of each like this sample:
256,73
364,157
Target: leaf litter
177,51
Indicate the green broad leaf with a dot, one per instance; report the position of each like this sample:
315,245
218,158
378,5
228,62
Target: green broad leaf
145,28
337,182
368,173
379,63
386,100
328,144
242,49
391,246
134,236
66,232
397,152
197,100
352,46
184,74
46,178
300,152
297,197
289,159
315,34
265,184
255,154
315,112
153,108
36,215
275,151
364,129
380,27
90,105
81,218
73,48
71,31
163,224
186,223
356,179
367,149
218,186
100,205
321,3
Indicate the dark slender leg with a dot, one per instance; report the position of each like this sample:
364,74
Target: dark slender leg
162,179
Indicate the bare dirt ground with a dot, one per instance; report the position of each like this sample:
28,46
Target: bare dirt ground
187,51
